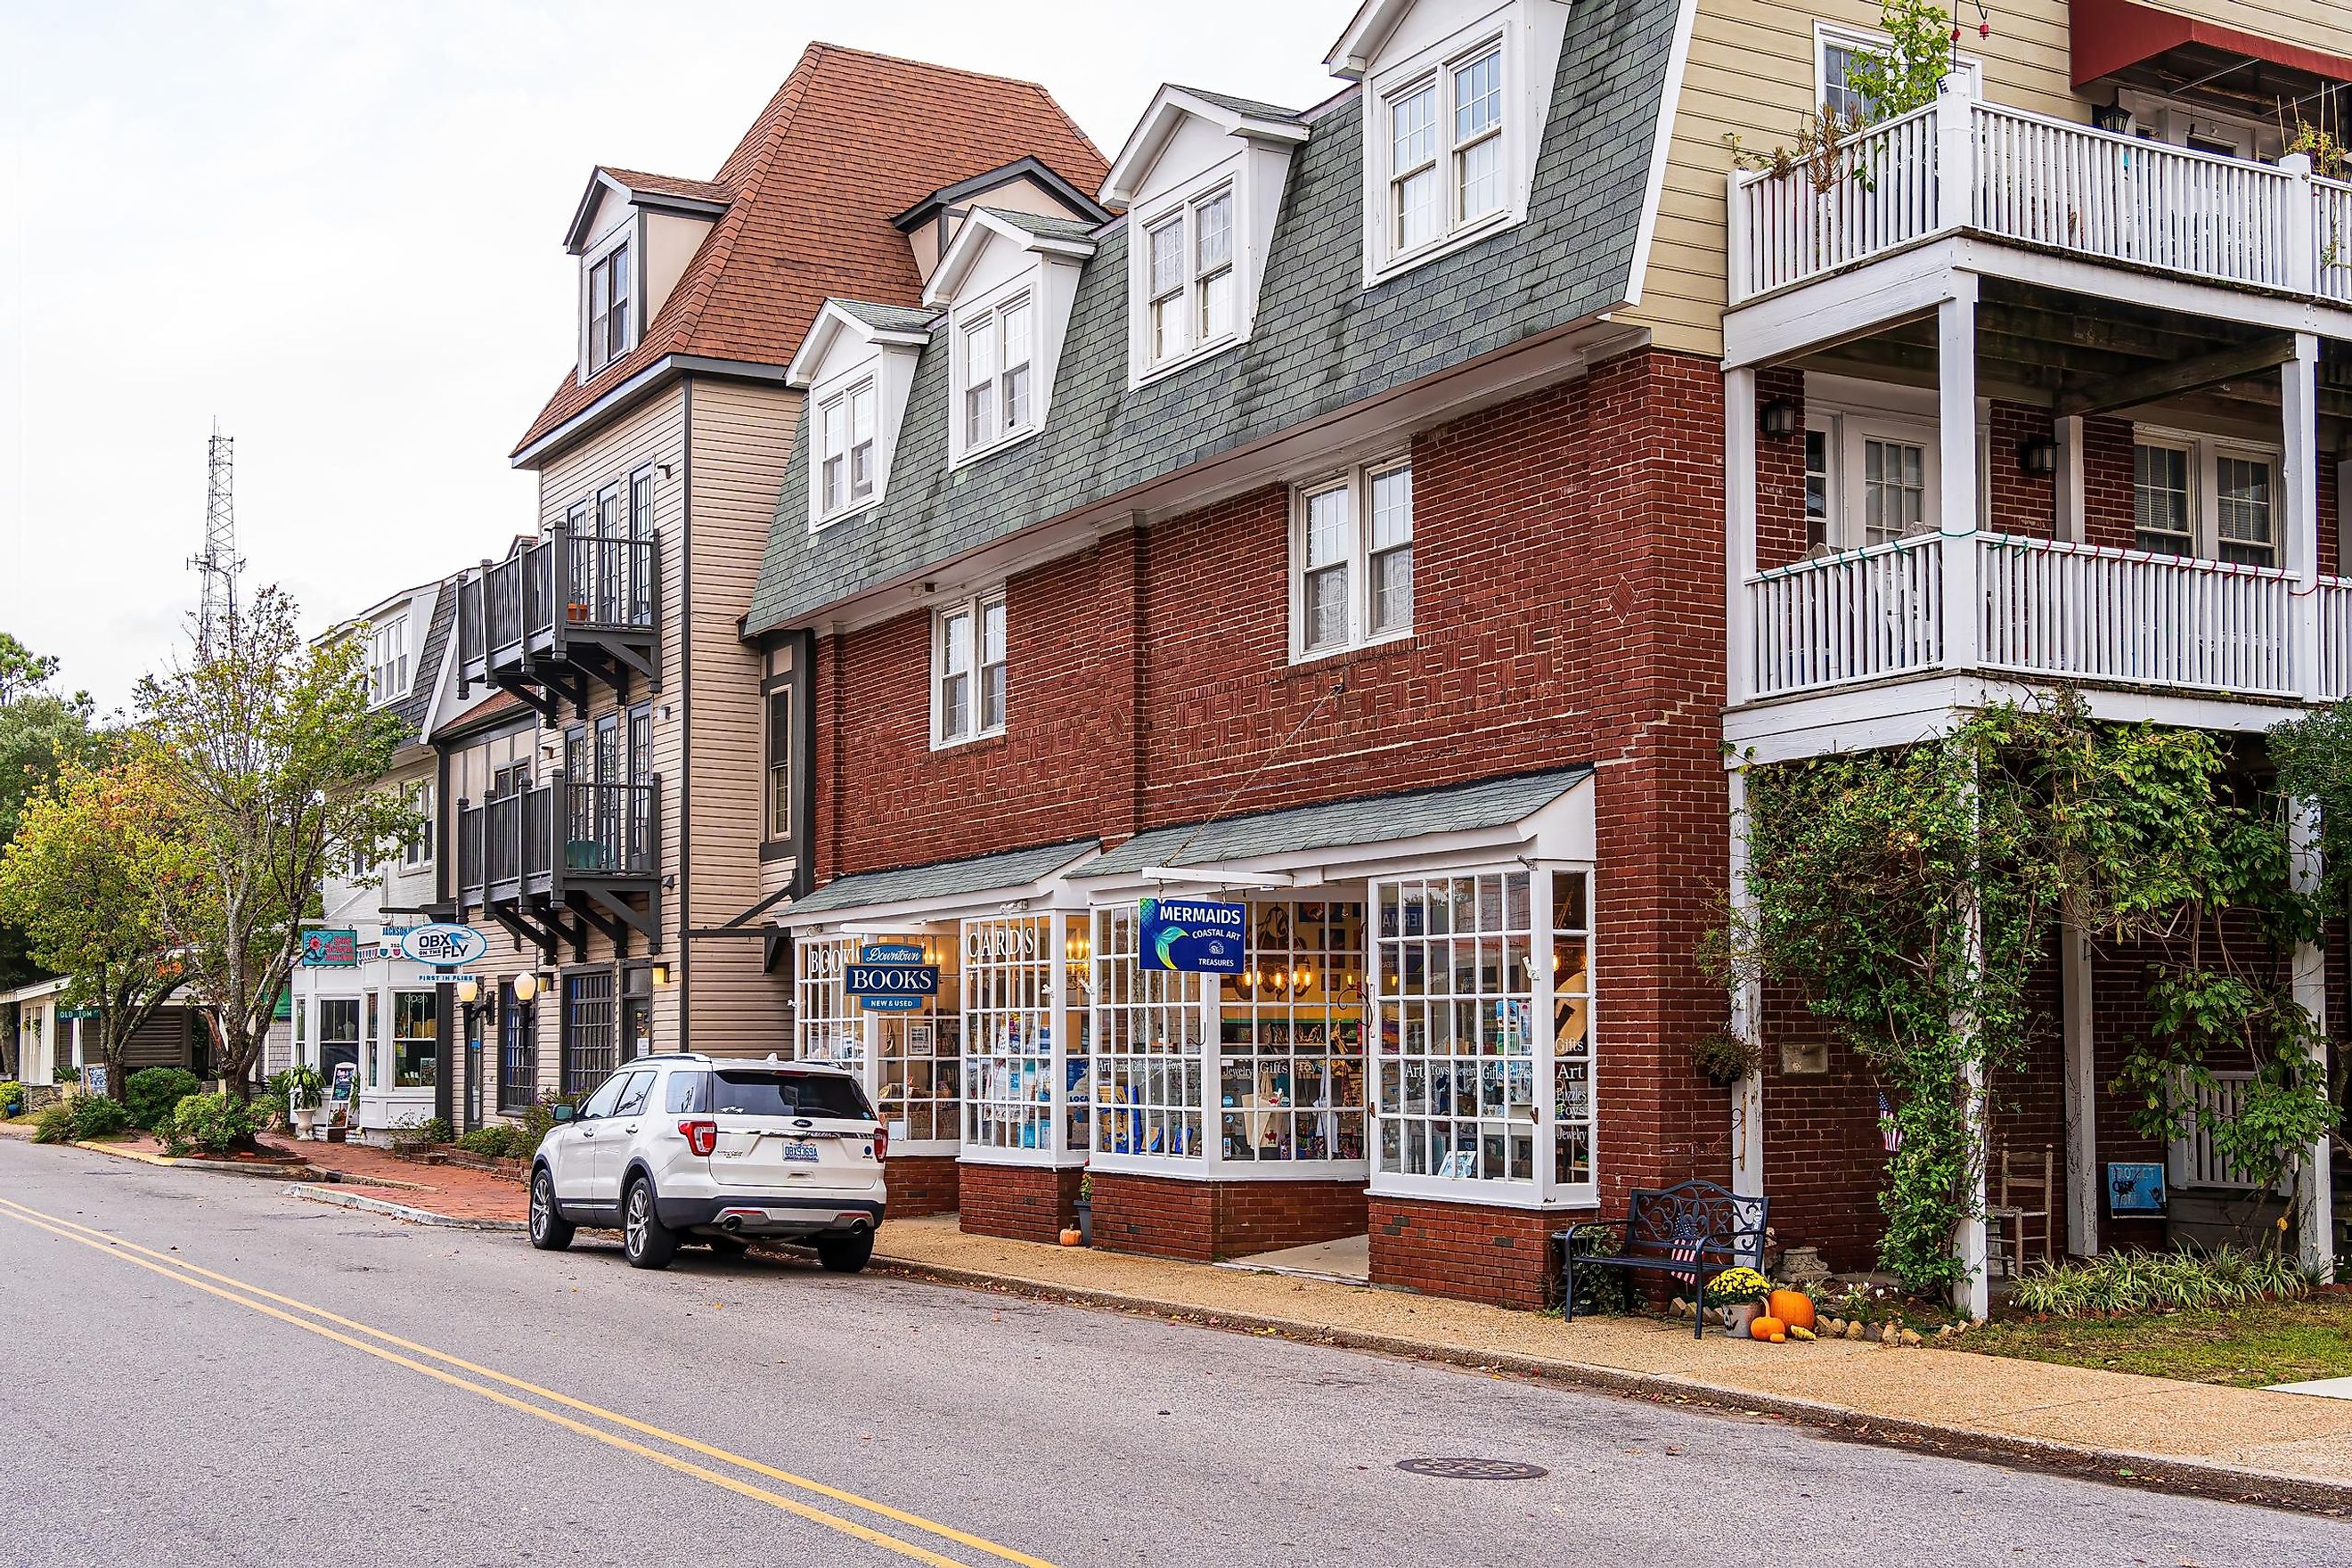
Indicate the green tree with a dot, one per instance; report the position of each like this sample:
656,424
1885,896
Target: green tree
84,879
41,733
273,760
22,670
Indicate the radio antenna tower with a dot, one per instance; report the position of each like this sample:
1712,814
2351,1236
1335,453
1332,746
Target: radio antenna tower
218,565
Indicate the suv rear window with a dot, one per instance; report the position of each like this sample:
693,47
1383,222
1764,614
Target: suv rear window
747,1091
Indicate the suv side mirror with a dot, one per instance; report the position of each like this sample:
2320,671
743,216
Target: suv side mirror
560,1114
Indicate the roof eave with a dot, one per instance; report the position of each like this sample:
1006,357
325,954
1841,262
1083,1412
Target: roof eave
1152,133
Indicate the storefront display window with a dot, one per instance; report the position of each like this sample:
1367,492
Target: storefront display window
1149,1049
1008,1045
1571,1047
1291,1036
415,1032
374,1036
832,1027
911,1063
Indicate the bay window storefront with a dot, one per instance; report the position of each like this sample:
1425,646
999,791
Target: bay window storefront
359,1005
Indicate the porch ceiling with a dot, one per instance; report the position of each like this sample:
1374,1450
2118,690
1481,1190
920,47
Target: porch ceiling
2086,355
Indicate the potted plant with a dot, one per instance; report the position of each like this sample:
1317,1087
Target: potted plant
1739,1294
1725,1058
1086,1209
305,1092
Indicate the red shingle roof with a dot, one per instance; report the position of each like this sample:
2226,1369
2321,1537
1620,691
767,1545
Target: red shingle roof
849,139
637,180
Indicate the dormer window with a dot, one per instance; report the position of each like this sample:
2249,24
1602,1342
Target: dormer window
846,422
996,352
610,296
1191,267
387,662
1438,188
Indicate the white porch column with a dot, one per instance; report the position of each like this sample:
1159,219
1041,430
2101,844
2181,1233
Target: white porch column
2315,1194
1746,1016
1739,534
2083,1178
2298,494
1956,413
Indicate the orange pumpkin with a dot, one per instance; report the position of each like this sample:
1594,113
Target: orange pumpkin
1070,1237
1793,1308
1772,1328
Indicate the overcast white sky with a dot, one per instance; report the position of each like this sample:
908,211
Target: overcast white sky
339,228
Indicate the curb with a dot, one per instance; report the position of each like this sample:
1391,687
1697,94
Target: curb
327,1194
2194,1478
273,1172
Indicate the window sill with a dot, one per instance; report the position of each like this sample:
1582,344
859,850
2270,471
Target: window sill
961,742
974,454
1394,266
1166,368
1482,1192
1374,645
820,524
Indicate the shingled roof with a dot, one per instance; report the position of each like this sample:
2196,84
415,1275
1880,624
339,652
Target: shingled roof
1322,340
849,140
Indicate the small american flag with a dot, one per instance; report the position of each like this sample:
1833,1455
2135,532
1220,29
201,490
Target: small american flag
1890,1131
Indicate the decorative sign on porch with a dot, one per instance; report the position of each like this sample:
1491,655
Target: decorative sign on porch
1197,936
69,1013
330,948
2135,1190
442,944
891,977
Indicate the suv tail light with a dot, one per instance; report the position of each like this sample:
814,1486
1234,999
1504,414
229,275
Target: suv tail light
881,1143
702,1137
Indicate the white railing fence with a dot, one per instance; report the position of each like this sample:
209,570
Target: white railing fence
1853,616
2335,639
2331,230
2195,1161
1883,196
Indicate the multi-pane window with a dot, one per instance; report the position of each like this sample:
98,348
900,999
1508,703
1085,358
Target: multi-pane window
518,1052
1166,244
1290,1034
1840,100
1413,167
1212,267
387,661
609,298
591,1043
1818,524
415,1038
1150,1051
1572,1041
2164,520
1008,1033
1446,151
997,350
832,1027
1188,277
2241,511
780,763
968,663
845,422
1478,137
1352,557
1894,490
918,1066
416,846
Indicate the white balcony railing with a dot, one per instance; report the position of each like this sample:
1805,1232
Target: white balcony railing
2047,610
1964,164
2195,1161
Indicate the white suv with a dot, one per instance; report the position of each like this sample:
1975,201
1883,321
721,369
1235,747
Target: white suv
719,1148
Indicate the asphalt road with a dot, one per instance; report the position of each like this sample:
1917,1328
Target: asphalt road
741,1411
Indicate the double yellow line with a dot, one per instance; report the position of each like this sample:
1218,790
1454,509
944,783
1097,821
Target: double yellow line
314,1320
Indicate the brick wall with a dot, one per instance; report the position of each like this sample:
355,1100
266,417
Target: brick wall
1174,1217
1780,473
1468,1251
1020,1203
921,1184
2020,502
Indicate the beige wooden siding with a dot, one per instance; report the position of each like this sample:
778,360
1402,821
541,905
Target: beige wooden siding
2315,24
1751,71
741,445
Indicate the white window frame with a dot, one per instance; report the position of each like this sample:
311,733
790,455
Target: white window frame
387,661
1358,483
1023,984
1828,35
1183,211
416,848
845,399
1846,412
2205,452
973,612
989,317
597,356
1385,254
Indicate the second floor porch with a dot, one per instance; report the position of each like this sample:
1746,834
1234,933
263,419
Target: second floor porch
561,612
554,860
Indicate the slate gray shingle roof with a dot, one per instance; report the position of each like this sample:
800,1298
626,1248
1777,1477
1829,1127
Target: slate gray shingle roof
1249,106
890,318
944,879
1337,825
1321,341
1040,224
425,673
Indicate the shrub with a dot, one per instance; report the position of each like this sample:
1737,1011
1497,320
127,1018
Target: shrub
2159,1281
152,1093
1599,1291
54,1123
431,1129
12,1097
497,1141
540,1118
97,1116
215,1123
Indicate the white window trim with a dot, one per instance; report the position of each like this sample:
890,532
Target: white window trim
2205,451
1832,406
1182,206
865,378
420,797
976,607
388,682
1028,288
629,233
1827,35
1383,258
1359,478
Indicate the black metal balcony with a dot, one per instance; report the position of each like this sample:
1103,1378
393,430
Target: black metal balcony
552,862
558,613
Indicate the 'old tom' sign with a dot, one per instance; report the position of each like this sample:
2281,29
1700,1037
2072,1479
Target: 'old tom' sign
442,944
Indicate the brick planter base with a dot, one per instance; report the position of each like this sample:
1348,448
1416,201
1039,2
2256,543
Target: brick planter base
921,1185
1019,1202
1166,1216
1468,1251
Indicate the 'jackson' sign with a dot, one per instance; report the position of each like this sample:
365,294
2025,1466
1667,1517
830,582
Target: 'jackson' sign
891,977
1194,935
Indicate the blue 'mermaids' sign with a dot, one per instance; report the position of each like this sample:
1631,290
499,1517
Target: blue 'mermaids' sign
891,977
1198,936
442,943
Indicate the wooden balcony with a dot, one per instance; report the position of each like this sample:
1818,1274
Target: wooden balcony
1962,166
554,861
559,614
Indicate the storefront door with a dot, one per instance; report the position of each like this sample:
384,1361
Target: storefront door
339,1038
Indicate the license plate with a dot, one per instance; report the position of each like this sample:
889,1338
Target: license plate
804,1152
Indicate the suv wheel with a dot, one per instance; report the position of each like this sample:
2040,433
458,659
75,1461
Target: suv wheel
648,1243
846,1254
550,1231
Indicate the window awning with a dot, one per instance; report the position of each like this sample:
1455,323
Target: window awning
1345,830
1016,873
2164,51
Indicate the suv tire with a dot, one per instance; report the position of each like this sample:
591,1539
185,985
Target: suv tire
647,1242
550,1231
846,1254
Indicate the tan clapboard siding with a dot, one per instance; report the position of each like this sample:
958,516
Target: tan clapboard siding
1752,72
741,447
2315,24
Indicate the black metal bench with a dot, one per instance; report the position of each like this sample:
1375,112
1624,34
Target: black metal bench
1693,1231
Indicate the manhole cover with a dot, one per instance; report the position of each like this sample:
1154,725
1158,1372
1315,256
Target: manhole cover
1474,1469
